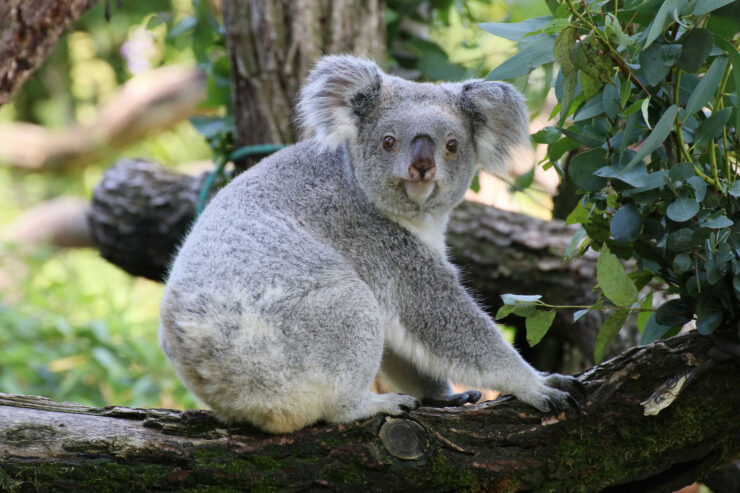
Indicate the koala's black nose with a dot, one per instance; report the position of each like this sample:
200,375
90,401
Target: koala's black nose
422,167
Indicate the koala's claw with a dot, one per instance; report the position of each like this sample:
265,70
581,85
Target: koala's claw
455,400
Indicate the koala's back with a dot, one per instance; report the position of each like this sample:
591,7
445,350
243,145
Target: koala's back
257,290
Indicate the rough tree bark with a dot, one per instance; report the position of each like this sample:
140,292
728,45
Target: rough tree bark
272,46
28,32
497,446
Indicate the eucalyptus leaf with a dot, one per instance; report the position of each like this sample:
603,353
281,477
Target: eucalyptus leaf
548,135
716,220
682,263
527,59
653,330
589,55
613,280
537,325
697,44
662,18
626,224
699,186
682,209
705,6
734,190
706,87
607,333
505,311
657,60
563,44
657,136
582,167
514,299
515,31
712,126
674,313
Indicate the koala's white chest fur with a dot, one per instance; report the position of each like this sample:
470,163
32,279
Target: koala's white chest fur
430,229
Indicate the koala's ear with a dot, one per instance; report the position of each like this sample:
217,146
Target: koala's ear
499,120
339,90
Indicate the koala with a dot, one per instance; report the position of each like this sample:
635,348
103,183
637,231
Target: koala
325,263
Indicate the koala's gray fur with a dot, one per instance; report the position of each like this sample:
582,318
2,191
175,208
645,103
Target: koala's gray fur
325,263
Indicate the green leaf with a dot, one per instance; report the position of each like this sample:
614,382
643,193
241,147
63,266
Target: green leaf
547,135
614,32
563,44
626,224
580,313
656,62
524,181
657,136
712,126
682,263
505,311
697,44
704,91
625,89
699,186
529,58
515,31
537,325
674,313
582,167
475,184
709,323
610,100
653,330
716,220
682,209
704,6
515,299
734,190
613,280
589,55
642,317
555,151
570,83
644,107
607,332
663,17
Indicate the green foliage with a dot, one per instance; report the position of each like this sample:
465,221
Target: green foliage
648,90
85,332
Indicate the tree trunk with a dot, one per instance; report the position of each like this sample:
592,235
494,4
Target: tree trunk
499,446
272,46
28,32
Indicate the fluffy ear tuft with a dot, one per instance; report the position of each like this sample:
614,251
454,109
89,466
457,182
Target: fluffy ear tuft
499,120
339,90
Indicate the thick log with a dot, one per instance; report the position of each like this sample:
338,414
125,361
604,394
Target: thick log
28,32
499,446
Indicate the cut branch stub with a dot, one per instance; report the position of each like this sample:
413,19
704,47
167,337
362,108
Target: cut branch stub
404,439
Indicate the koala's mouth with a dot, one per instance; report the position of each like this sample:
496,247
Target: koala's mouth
419,191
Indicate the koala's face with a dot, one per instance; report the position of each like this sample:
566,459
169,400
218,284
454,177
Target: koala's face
413,154
414,147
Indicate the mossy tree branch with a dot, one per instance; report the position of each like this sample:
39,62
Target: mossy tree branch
501,446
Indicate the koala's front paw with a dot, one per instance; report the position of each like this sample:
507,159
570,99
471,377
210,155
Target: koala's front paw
395,404
553,392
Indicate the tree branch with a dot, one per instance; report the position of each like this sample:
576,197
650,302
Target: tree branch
30,30
500,446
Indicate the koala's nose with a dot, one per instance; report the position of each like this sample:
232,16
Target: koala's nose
422,167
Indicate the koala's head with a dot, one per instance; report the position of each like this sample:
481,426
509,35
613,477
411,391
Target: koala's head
414,147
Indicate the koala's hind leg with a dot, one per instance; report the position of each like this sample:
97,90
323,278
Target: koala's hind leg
367,404
433,392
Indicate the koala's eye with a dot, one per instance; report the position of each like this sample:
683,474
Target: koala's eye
452,145
389,142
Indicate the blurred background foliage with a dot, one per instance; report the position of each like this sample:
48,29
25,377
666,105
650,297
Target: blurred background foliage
74,327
